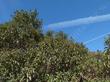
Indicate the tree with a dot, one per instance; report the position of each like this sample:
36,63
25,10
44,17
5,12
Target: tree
26,19
107,44
22,31
61,35
50,33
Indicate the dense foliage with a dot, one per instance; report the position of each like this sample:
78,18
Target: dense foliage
28,55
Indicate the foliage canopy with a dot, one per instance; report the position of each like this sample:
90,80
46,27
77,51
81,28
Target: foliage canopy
29,55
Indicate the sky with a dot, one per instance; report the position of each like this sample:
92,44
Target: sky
86,21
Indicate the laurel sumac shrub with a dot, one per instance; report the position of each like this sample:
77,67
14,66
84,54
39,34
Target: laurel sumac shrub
49,57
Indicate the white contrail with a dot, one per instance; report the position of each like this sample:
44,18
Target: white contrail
80,21
98,37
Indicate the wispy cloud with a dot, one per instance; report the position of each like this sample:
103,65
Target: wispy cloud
96,38
78,22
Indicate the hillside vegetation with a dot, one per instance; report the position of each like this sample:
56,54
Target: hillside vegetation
29,55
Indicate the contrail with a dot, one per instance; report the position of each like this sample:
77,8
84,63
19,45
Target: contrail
98,37
80,21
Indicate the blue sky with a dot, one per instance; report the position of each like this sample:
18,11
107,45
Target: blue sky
58,11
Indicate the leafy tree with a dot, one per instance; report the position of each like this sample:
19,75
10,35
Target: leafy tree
107,44
23,31
50,33
61,35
